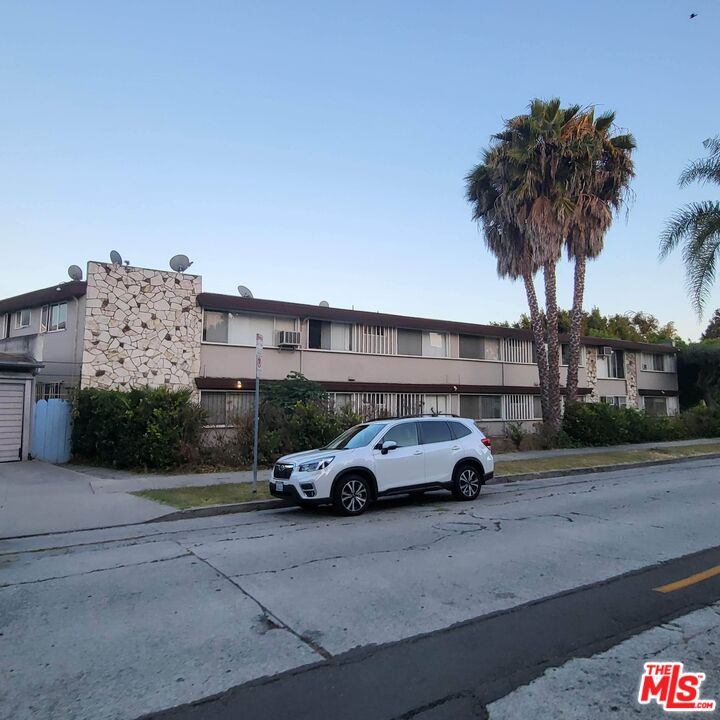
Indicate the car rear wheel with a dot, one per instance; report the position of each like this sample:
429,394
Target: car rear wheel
351,495
467,482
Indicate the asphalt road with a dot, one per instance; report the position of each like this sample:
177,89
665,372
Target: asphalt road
455,673
122,622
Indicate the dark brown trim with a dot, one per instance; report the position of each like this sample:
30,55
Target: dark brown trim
13,362
215,383
657,393
36,298
233,303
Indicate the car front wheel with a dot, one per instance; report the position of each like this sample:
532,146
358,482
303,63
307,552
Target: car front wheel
351,495
467,482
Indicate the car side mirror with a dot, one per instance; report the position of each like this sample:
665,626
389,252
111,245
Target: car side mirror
387,446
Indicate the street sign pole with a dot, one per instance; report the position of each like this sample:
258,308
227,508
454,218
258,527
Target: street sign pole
258,373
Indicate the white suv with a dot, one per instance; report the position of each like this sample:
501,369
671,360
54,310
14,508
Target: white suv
387,457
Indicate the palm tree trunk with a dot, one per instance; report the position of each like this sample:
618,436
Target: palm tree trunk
576,318
539,339
553,349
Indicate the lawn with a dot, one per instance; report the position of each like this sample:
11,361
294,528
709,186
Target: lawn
203,495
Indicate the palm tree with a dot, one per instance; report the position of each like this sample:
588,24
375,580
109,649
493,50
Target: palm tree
511,247
602,169
533,184
697,227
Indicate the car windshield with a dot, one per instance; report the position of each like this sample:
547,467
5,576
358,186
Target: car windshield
356,437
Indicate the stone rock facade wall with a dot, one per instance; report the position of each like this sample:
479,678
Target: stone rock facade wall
142,328
631,378
591,357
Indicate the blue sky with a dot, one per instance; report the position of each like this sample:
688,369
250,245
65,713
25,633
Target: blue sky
317,150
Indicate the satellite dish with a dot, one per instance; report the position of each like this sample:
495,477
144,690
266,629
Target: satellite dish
180,263
244,291
75,272
324,303
115,257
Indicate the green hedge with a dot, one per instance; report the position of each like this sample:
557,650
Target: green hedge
601,424
149,428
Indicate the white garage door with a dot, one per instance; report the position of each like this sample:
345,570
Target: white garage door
12,396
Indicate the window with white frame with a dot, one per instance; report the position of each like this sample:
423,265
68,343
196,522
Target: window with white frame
481,407
223,408
618,401
436,404
474,347
656,406
4,326
374,339
611,366
56,315
23,318
421,343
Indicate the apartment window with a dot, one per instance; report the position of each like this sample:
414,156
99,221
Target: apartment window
520,351
323,335
565,355
58,317
612,366
409,342
473,347
434,344
49,391
223,408
537,408
618,401
481,407
436,404
658,362
523,407
22,319
656,406
342,401
4,326
215,327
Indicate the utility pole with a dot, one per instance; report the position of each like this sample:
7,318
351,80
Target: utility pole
258,373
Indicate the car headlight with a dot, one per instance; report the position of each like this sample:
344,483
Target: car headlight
319,464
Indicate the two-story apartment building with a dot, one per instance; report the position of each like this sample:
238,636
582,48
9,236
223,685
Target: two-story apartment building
128,326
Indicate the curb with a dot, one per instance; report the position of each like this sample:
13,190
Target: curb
543,474
253,505
210,510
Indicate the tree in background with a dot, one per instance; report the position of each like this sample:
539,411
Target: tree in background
636,326
551,178
697,228
712,331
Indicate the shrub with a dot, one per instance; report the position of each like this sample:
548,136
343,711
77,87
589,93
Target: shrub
601,424
515,433
150,428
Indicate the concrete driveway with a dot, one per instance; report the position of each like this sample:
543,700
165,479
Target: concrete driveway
36,497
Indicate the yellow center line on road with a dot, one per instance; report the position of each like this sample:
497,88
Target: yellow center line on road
691,580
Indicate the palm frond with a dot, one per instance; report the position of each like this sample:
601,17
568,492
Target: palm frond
685,223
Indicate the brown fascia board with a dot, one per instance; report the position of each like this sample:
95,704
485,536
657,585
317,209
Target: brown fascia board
232,303
18,362
216,383
56,293
657,393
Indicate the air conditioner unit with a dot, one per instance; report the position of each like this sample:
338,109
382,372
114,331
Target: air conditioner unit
288,339
605,351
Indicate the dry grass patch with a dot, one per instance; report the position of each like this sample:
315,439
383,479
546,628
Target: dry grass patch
204,495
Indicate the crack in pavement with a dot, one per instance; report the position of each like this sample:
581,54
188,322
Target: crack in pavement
408,548
95,570
267,615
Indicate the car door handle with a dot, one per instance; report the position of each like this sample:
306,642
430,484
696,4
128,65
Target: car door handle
418,452
455,447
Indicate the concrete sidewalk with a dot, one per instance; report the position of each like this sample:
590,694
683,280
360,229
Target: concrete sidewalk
107,480
36,498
